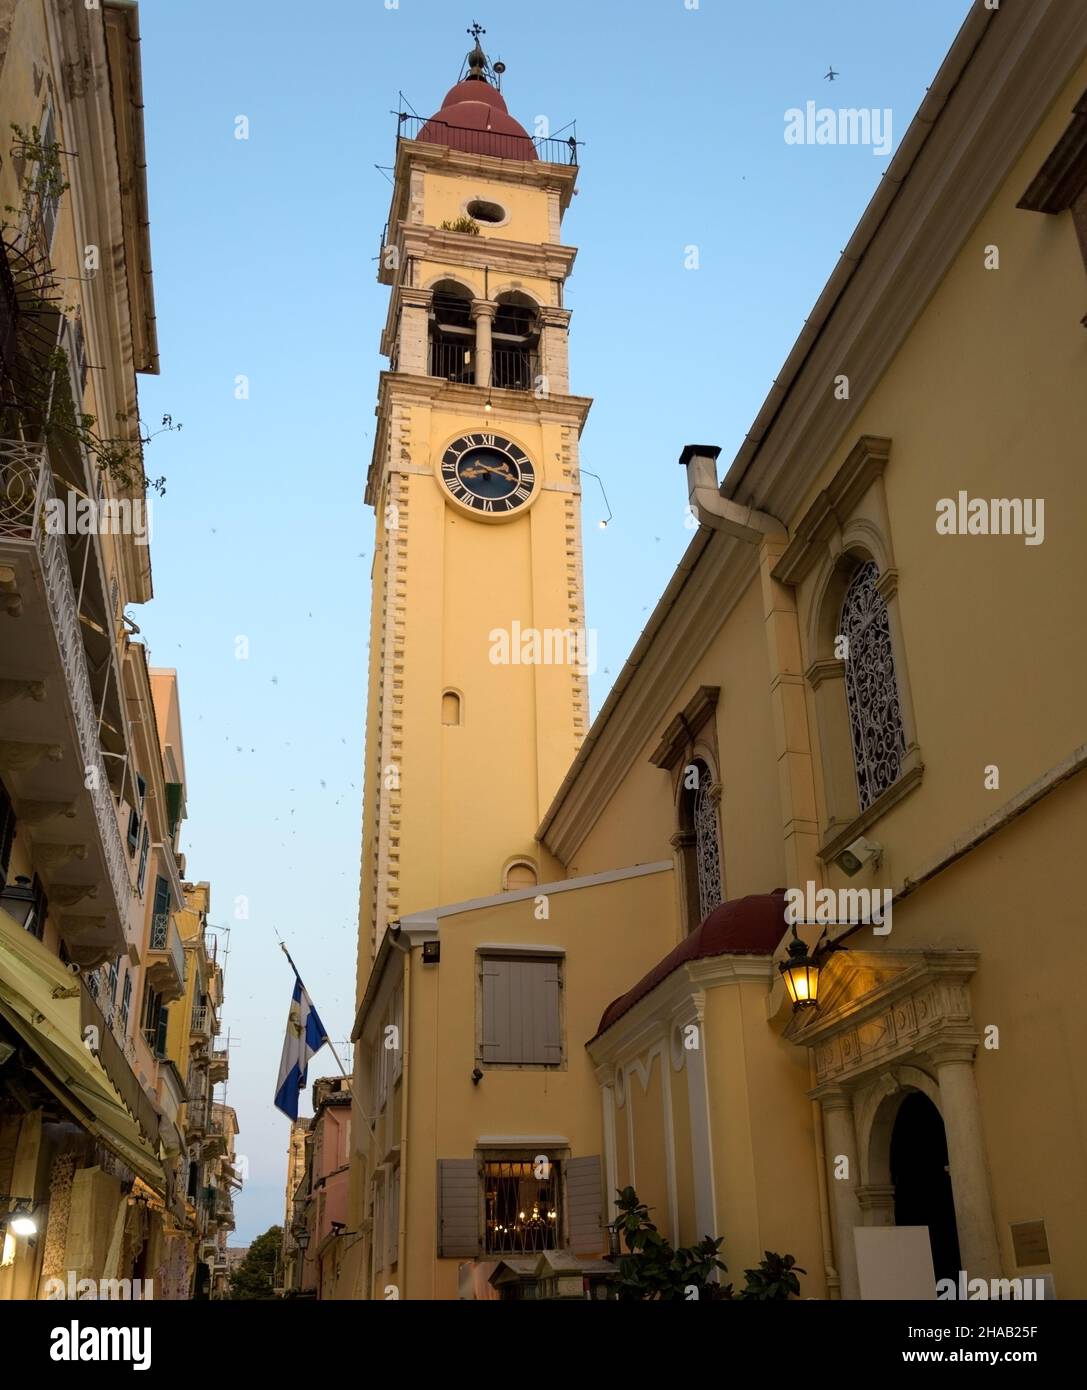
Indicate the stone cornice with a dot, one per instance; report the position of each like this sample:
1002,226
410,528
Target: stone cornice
1063,176
679,998
707,585
531,173
880,1006
685,727
830,511
545,259
997,84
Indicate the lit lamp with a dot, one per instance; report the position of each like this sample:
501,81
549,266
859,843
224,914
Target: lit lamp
21,1219
17,900
801,975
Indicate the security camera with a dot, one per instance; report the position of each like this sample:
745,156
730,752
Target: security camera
855,856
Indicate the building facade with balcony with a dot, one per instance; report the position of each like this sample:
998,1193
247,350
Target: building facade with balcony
93,968
315,1229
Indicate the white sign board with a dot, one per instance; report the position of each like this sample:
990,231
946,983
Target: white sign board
895,1262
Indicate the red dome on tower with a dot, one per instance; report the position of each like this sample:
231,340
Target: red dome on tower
474,118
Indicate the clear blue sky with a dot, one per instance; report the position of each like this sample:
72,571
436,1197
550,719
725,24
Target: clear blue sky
264,266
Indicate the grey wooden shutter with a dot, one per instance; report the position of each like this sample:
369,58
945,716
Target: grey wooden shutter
495,1042
521,1011
458,1208
584,1205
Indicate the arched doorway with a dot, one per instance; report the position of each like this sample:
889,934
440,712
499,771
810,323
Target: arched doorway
922,1183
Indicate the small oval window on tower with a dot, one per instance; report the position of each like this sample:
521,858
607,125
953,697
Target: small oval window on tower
450,707
483,211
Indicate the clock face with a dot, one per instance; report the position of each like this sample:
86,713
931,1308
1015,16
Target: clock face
488,474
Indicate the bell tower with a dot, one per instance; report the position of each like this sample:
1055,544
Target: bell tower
478,692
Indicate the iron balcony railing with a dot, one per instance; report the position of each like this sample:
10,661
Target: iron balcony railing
26,487
165,937
514,368
452,361
492,142
9,313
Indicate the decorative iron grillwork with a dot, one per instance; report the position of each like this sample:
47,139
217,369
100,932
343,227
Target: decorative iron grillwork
875,713
707,844
521,1208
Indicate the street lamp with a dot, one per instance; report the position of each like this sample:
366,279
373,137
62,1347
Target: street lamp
801,975
20,1220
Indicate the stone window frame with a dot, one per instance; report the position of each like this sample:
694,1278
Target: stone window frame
846,525
1060,185
690,737
519,861
465,206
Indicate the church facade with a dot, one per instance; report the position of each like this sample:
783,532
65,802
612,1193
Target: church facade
785,939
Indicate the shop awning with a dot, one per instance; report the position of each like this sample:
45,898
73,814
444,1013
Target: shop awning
41,999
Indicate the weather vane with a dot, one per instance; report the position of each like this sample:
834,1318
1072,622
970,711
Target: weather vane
476,30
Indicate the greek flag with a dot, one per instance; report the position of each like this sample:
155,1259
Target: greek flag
305,1036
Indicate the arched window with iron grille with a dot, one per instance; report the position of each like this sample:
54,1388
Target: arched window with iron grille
871,687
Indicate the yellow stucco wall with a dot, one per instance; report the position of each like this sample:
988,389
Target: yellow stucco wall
640,817
593,926
445,197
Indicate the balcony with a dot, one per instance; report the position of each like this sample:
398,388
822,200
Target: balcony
214,1136
490,142
166,958
218,1065
200,1026
51,738
196,1116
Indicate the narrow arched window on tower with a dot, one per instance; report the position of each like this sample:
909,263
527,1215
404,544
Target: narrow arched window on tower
516,342
450,707
871,688
452,333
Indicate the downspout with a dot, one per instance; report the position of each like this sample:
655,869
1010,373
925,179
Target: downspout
405,1033
394,936
711,509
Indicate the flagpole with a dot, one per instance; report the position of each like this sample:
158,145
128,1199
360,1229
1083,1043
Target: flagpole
328,1040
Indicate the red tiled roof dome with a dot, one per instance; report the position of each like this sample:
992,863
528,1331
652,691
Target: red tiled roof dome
750,926
474,118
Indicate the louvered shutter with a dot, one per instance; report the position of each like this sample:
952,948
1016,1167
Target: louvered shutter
521,1011
495,1044
542,1039
50,201
584,1205
458,1208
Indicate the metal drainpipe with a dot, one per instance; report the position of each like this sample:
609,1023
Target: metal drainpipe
745,523
405,1030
